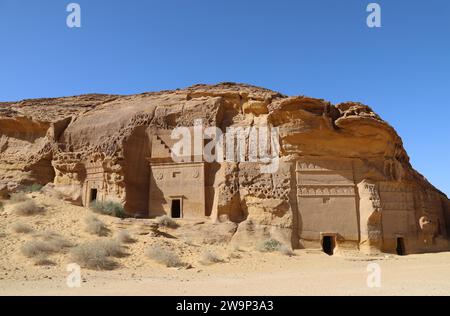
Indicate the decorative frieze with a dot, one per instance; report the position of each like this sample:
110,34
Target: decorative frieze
94,170
326,190
323,166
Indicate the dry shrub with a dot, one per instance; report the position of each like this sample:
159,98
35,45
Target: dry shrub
53,238
27,208
209,257
44,244
18,197
95,226
21,228
124,236
43,260
108,208
97,254
113,247
166,221
92,256
33,248
164,256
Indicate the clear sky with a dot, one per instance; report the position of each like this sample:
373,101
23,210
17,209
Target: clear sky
320,48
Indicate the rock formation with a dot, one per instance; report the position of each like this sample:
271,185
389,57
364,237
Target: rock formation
344,180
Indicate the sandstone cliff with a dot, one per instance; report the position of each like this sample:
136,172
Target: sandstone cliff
344,172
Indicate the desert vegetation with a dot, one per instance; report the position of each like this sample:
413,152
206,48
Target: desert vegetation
268,245
21,228
112,247
43,245
164,256
124,236
35,187
95,226
97,242
43,260
273,245
166,221
98,254
27,208
108,208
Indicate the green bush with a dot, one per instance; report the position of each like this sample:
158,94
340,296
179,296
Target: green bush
108,208
269,245
272,245
32,188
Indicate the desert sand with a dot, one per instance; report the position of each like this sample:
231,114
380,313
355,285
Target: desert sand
250,272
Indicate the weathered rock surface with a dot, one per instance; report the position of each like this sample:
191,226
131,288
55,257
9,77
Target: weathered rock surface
344,173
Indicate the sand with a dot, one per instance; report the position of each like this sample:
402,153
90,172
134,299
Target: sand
309,272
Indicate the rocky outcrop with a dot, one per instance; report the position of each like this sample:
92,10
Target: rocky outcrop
30,133
343,172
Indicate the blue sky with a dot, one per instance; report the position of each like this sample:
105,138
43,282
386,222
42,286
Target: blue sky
320,48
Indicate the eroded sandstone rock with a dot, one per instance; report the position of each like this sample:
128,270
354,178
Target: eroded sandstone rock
344,177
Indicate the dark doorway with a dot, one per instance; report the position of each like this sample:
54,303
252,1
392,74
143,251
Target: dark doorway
93,195
176,209
401,246
328,245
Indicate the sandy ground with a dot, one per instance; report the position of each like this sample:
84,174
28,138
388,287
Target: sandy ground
252,273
